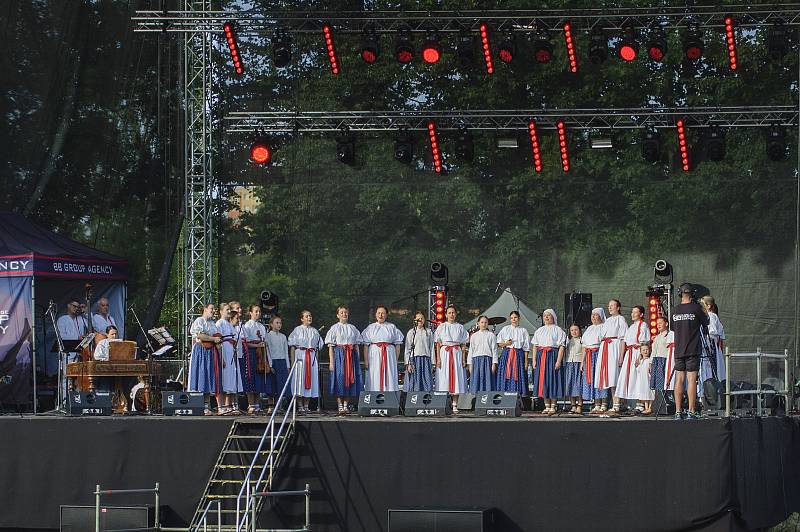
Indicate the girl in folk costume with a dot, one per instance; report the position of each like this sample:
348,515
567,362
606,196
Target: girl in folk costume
549,341
607,368
482,358
591,348
512,367
228,326
254,381
661,356
419,356
343,341
642,390
305,343
450,338
380,359
205,369
278,350
716,335
574,370
637,334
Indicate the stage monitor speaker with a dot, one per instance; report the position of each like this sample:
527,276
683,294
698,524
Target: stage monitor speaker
500,404
577,309
182,403
466,401
379,404
89,403
81,518
430,404
441,520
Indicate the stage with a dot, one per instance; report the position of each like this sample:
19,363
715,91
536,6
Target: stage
536,473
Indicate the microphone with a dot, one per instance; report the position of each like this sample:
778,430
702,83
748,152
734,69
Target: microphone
130,308
498,287
322,328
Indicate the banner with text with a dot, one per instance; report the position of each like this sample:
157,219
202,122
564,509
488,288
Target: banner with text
15,341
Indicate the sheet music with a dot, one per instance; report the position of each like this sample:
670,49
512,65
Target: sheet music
161,335
162,350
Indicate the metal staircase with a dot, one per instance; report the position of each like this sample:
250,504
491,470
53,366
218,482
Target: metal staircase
246,467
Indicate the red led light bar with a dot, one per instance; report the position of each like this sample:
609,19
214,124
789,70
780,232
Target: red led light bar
537,156
439,305
437,155
326,30
233,46
562,142
654,314
573,63
730,37
683,145
487,50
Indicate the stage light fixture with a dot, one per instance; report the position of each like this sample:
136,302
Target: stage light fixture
598,46
486,48
692,44
662,272
573,62
404,146
440,276
436,153
628,46
730,39
465,47
715,143
269,304
439,297
508,48
281,48
465,146
651,146
535,149
346,148
683,144
542,47
328,34
261,151
653,305
507,141
657,45
233,47
404,47
777,42
562,142
370,48
776,143
431,49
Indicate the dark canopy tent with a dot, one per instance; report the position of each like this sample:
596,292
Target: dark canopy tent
38,266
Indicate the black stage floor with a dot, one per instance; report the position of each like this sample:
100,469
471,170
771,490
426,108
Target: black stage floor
535,473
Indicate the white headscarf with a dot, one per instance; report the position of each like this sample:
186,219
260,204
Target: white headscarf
600,312
552,313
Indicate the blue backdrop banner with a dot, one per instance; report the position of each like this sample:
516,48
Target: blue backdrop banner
15,341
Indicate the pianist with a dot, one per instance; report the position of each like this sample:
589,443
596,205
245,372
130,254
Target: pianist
101,351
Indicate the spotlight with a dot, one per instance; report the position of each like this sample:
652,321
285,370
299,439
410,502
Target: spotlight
369,46
233,46
657,45
431,49
404,146
683,144
465,47
439,274
573,63
487,50
628,47
598,46
542,48
507,48
730,39
537,155
777,42
260,151
692,44
437,303
269,305
562,143
715,143
662,272
404,47
505,141
465,147
328,33
776,143
651,146
346,148
281,49
436,154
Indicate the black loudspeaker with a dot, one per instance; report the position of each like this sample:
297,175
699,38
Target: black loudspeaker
182,403
427,404
501,404
441,520
466,401
577,309
89,403
81,518
380,404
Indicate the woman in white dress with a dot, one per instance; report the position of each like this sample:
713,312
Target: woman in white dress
610,358
512,366
716,333
343,341
382,340
419,356
637,334
548,346
228,326
450,338
304,344
591,350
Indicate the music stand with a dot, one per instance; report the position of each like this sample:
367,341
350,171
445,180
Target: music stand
161,335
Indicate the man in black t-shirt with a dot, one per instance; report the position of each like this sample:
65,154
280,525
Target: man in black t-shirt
686,320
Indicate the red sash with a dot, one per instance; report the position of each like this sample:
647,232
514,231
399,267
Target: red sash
349,371
218,377
603,381
452,369
307,382
542,364
511,364
670,359
588,370
384,355
629,351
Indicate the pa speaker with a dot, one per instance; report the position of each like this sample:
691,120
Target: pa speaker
429,404
501,404
182,403
577,309
380,404
89,403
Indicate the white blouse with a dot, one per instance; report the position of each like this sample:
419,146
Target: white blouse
451,334
382,332
574,350
592,335
422,342
254,331
519,335
715,326
305,336
203,326
660,342
549,336
277,346
637,334
615,327
343,334
482,343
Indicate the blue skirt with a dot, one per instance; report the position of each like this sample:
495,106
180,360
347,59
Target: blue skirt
338,387
421,379
205,370
589,392
574,378
547,382
510,383
252,380
481,378
658,370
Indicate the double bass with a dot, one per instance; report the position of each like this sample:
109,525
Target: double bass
262,356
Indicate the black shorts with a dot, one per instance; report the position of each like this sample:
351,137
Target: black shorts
690,363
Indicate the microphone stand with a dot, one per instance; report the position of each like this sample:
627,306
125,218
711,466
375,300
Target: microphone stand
238,382
150,352
62,362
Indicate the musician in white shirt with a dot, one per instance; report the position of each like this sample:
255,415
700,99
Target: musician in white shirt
101,319
112,335
72,326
